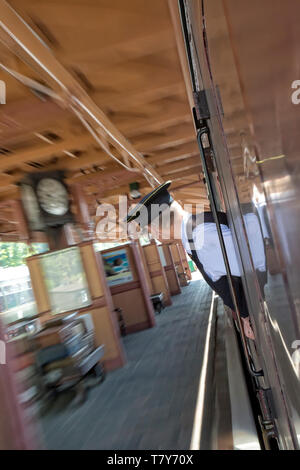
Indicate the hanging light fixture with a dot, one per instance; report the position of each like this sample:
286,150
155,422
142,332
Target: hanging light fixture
134,190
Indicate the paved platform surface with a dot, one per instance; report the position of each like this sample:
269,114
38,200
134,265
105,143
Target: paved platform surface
149,403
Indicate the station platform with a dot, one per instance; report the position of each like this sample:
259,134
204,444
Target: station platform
150,403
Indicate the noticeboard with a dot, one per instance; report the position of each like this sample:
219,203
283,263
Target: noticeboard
117,267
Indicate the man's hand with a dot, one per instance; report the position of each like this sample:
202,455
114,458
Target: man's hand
247,328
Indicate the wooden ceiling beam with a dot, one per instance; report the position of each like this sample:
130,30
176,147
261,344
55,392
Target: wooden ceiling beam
180,165
193,201
166,141
157,123
115,172
94,158
185,150
169,143
197,170
124,189
124,51
177,28
110,167
149,109
27,116
44,152
20,38
31,115
106,180
195,196
100,158
21,158
165,160
118,101
105,193
198,183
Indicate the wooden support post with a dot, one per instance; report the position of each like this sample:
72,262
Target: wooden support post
19,217
82,215
16,432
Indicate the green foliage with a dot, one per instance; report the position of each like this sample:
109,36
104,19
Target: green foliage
14,254
105,246
63,268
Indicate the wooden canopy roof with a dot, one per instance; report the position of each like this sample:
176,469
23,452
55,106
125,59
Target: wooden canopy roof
123,57
121,61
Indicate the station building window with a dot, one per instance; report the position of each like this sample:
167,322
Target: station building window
16,294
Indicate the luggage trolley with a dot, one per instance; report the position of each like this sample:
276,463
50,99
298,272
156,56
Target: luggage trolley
66,356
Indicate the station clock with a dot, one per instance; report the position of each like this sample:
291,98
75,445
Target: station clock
46,200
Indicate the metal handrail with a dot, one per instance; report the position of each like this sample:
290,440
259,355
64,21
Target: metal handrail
205,130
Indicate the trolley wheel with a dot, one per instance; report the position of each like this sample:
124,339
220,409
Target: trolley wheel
159,308
80,394
123,330
47,399
99,372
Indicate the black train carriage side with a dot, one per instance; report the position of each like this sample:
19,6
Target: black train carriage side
234,44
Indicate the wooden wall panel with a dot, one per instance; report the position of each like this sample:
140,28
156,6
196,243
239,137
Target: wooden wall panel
146,267
106,332
184,260
178,264
101,309
133,307
157,272
170,270
133,297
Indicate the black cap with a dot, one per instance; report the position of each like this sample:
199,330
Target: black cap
159,196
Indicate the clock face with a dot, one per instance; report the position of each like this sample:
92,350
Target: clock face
31,206
52,196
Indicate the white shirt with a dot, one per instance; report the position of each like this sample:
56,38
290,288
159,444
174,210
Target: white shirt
210,254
